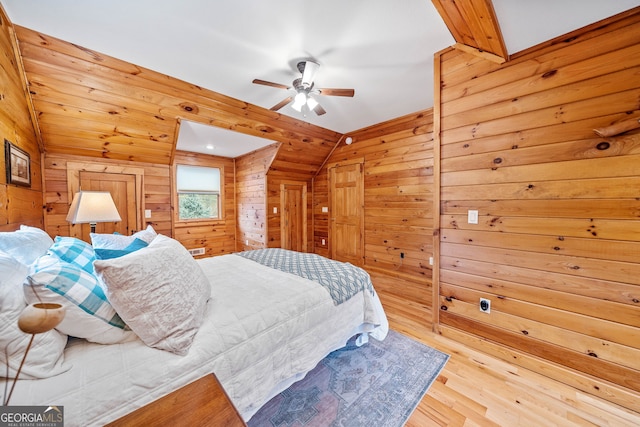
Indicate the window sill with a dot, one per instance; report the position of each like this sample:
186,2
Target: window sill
198,222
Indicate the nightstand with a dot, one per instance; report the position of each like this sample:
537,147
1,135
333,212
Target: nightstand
201,403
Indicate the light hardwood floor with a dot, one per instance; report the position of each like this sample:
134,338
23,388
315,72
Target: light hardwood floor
475,389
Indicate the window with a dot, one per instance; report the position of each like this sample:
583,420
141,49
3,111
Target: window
198,190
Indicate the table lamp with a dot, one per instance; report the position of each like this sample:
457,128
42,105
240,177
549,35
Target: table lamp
92,207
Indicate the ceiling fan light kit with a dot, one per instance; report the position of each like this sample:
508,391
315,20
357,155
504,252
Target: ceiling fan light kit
299,100
303,101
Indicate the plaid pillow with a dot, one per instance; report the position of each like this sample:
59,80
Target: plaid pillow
76,285
74,251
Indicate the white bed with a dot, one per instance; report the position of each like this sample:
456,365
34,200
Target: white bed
263,329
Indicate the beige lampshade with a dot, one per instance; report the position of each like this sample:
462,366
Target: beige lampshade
92,207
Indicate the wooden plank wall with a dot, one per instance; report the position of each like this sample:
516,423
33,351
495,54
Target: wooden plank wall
293,163
156,192
251,198
91,104
94,105
398,209
217,237
18,205
557,246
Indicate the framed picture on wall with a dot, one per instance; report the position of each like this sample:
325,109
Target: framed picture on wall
18,165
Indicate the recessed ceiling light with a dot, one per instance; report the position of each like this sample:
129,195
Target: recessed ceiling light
209,147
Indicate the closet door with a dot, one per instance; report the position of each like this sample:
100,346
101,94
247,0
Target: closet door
125,185
347,210
123,191
293,216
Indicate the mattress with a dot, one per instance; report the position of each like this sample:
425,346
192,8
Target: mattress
263,330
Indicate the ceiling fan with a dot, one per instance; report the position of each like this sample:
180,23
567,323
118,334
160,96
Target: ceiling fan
303,86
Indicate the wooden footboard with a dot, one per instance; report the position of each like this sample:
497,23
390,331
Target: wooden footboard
201,403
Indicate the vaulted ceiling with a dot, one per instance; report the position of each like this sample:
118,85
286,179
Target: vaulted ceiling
384,50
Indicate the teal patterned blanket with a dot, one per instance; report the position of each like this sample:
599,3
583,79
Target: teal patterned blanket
341,279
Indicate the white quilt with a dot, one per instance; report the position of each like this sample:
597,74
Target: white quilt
264,329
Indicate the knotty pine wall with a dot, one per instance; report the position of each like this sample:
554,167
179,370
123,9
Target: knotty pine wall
217,237
557,246
93,105
18,205
156,188
293,163
251,190
398,209
258,178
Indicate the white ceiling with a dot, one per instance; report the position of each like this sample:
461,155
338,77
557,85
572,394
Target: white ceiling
217,141
381,48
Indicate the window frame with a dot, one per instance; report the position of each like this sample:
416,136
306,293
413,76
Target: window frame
176,192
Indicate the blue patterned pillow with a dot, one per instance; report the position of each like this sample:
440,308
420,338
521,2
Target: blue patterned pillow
74,251
120,241
115,253
77,286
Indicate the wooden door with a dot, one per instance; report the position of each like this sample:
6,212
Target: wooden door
123,190
347,199
293,216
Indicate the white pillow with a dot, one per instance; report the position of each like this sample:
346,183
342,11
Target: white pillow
13,271
45,357
26,244
120,241
160,291
88,313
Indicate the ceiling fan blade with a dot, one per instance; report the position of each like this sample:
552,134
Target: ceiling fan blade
337,92
281,104
266,83
310,70
319,110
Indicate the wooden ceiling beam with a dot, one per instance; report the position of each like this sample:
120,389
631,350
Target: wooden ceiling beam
473,23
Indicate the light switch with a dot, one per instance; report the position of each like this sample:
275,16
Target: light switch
472,217
324,242
147,213
275,209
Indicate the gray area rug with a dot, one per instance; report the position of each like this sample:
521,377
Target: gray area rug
378,384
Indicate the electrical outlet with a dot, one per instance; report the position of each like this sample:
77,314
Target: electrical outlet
430,260
485,305
324,242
